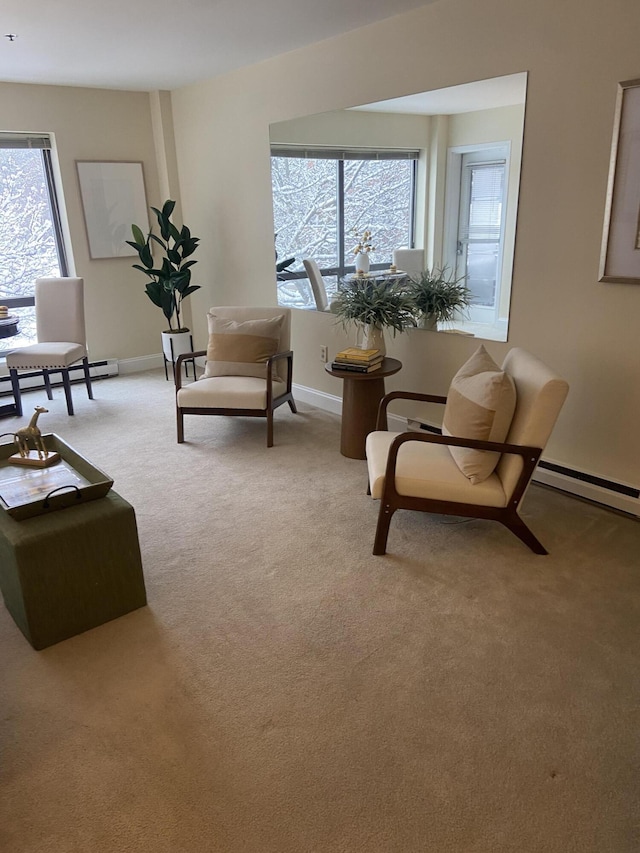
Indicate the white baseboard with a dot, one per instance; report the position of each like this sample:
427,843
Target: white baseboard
140,363
333,404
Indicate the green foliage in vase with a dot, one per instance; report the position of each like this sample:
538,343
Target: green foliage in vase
171,281
437,293
374,302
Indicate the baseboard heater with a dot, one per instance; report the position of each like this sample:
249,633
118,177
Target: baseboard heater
620,496
33,380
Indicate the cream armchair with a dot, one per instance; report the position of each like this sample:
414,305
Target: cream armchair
418,471
248,370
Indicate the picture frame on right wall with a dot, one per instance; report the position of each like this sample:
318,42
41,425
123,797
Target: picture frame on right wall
620,254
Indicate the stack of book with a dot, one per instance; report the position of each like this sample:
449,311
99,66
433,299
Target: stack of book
358,360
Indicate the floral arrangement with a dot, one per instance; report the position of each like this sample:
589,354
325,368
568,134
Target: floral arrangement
364,243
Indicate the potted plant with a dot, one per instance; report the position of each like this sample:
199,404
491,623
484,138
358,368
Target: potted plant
170,280
437,296
373,305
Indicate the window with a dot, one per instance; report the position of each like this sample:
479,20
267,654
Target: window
31,244
321,196
476,235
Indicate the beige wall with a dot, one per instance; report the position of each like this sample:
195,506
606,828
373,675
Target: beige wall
97,124
575,52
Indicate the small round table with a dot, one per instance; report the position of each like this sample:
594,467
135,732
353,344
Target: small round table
9,326
361,395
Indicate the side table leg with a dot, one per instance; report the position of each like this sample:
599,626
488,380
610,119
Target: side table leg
360,402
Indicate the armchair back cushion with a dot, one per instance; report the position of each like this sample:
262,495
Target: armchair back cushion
541,394
480,404
228,348
241,348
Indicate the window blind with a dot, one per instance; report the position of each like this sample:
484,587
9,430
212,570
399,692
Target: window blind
25,140
486,189
309,153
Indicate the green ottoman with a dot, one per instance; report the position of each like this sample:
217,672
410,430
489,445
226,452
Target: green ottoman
71,570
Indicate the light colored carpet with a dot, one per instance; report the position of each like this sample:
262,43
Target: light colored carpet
287,692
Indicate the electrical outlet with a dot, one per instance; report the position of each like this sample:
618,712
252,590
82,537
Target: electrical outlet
324,354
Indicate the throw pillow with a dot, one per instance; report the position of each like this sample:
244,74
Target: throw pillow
480,404
241,348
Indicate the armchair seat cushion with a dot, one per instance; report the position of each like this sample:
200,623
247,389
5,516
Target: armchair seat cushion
426,470
46,356
228,392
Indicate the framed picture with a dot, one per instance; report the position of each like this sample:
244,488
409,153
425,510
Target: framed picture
113,198
620,255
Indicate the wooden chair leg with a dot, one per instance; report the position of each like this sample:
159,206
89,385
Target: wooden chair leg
292,406
67,390
87,377
516,525
270,428
15,387
180,425
382,530
47,384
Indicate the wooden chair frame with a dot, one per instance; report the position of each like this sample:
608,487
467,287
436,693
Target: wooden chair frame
46,376
391,500
267,412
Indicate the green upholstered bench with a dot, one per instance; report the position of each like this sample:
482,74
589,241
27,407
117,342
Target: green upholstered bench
72,569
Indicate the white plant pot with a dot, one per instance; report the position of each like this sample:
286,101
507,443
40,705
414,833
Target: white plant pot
370,337
428,321
175,344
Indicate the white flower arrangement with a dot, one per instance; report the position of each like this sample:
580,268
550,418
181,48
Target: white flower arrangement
364,243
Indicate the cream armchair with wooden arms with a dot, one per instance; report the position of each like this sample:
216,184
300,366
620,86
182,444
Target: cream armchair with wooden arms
62,338
248,371
488,478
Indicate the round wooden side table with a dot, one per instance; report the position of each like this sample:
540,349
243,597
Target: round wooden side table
361,395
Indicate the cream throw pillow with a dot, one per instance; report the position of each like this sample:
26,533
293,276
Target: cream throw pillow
480,404
241,348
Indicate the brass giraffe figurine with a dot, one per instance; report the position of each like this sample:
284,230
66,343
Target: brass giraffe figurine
23,435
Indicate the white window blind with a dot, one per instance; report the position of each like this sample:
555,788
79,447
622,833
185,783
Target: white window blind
486,192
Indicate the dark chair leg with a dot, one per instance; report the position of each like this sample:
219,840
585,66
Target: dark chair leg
15,387
270,428
382,530
180,424
292,406
87,377
67,389
516,525
47,384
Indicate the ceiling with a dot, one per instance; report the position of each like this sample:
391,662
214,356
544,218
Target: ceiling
163,44
479,95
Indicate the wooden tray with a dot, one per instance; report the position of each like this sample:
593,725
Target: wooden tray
26,492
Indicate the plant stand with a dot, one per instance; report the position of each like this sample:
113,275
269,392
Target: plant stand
174,349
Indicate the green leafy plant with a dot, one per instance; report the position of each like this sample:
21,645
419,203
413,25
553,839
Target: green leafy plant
373,302
437,294
171,281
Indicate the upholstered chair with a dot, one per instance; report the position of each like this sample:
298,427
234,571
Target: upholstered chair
248,369
317,284
496,424
62,338
409,260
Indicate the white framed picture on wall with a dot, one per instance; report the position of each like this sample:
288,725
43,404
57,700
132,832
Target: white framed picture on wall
113,198
620,254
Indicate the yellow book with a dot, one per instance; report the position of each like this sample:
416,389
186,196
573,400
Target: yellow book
356,354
